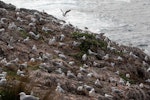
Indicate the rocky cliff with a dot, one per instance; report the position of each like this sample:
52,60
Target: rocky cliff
53,60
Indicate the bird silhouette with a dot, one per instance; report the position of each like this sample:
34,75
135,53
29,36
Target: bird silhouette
65,13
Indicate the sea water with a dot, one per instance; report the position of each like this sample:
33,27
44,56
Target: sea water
124,21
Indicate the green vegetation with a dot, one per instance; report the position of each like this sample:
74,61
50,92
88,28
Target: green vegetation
77,55
120,53
23,34
78,35
127,79
90,42
33,67
11,91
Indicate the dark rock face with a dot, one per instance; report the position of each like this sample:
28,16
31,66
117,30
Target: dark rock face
7,6
2,54
135,93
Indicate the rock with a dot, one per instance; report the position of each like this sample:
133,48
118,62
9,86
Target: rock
7,6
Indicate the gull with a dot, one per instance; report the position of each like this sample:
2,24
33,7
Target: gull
10,46
23,65
33,19
112,48
75,43
3,81
112,64
115,90
90,75
87,87
62,44
58,64
59,70
16,60
120,58
121,81
8,64
83,38
32,24
124,51
83,70
146,58
70,75
23,96
91,52
113,80
80,88
62,74
37,36
2,30
131,54
108,45
19,19
46,29
71,63
17,9
43,66
32,60
97,82
80,76
62,36
141,85
148,70
3,74
59,89
144,63
85,66
117,72
64,13
62,56
92,92
99,36
148,80
128,84
34,48
4,61
17,13
108,96
106,57
45,57
52,41
95,63
19,72
106,39
128,75
3,20
26,39
84,57
39,59
57,51
19,29
33,35
12,26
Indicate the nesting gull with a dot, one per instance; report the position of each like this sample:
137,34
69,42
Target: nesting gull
84,57
23,96
92,92
59,89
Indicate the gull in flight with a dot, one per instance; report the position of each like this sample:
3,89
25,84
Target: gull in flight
65,13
